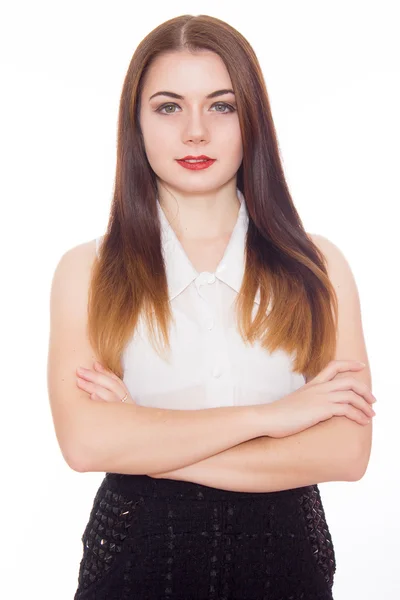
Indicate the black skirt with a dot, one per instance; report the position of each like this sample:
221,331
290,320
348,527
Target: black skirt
153,539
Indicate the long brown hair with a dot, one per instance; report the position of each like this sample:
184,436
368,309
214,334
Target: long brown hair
129,278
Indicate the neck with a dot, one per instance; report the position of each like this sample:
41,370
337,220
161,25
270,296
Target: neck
201,216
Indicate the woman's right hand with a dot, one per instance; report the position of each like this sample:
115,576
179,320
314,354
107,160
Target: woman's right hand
320,399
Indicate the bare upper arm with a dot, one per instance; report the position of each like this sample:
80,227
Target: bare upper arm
69,346
350,344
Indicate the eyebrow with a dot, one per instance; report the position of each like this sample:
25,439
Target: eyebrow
179,97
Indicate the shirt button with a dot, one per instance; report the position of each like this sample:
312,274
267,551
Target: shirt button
217,372
209,323
211,279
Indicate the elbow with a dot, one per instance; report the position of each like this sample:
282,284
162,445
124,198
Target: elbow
78,458
72,460
78,467
357,466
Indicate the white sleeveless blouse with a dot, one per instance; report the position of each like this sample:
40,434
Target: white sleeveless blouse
209,364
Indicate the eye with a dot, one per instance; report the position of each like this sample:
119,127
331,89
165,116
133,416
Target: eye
165,106
222,105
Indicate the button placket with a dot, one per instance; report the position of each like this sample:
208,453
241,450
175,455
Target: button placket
206,278
219,370
212,334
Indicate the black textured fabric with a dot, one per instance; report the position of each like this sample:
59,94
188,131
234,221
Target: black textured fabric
153,539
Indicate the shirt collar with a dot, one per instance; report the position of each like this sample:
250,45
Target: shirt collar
181,272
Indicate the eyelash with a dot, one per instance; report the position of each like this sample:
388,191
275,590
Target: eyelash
231,108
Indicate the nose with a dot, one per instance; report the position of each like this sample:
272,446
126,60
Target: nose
195,129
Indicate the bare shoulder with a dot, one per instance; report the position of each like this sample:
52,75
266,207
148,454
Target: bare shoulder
330,250
84,253
72,273
339,270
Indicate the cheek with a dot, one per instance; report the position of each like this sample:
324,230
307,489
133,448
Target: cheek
229,132
157,142
231,139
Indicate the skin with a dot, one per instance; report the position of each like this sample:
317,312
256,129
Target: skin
201,206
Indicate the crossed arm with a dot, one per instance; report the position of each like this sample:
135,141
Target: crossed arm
328,451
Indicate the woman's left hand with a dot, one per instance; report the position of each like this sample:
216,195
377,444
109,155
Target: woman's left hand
102,384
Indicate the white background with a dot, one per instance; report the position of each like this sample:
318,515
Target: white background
333,80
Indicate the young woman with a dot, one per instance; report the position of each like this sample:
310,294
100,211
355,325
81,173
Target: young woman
226,383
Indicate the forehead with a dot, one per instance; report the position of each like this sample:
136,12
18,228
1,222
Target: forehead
187,73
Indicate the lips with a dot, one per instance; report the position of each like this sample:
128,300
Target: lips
201,157
198,163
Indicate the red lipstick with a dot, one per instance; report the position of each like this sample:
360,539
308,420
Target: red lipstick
203,162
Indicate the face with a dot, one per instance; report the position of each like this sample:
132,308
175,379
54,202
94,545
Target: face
193,124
